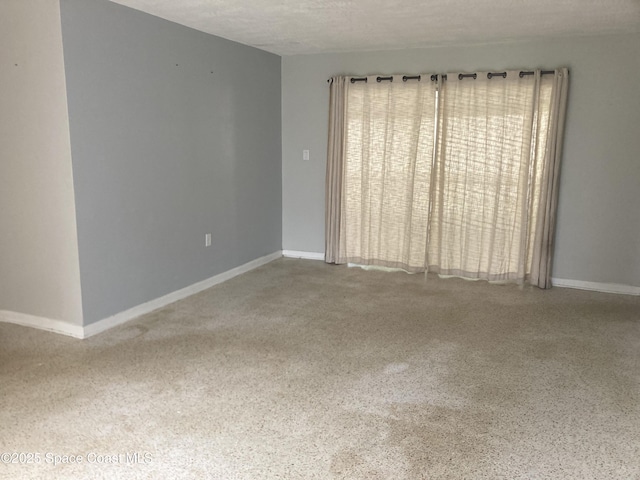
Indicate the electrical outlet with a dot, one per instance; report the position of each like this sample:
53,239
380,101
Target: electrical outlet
305,154
207,239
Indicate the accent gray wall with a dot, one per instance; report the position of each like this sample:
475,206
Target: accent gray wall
174,134
598,232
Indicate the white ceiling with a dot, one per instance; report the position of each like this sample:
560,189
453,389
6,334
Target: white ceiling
289,27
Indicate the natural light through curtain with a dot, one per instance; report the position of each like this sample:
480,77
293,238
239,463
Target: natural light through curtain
481,206
489,168
388,152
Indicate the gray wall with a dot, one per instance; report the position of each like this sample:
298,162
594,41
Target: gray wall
174,134
598,234
39,270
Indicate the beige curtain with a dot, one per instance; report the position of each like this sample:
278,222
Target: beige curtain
335,163
479,220
388,155
495,189
552,131
459,178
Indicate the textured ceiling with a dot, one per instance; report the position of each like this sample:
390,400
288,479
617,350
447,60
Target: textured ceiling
289,27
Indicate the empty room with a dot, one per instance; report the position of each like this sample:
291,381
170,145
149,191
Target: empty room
332,240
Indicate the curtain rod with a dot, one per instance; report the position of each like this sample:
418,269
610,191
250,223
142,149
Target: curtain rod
490,75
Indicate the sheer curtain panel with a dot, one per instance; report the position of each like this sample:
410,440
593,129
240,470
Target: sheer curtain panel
388,155
458,176
495,191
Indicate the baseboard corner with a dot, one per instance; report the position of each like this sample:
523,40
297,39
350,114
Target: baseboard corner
303,255
617,288
82,332
42,323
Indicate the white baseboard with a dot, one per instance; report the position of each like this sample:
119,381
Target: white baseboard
77,331
42,323
596,287
100,326
122,317
305,255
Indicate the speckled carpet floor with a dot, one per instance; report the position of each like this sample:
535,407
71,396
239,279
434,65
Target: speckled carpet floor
302,370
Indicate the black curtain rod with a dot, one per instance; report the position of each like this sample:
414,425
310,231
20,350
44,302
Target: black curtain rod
444,77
